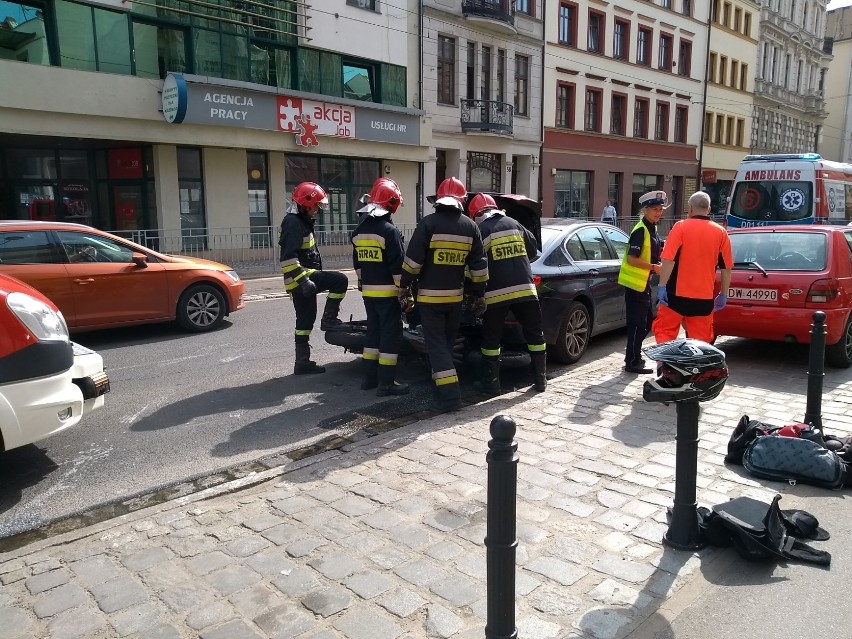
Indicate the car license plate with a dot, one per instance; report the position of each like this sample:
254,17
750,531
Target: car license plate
756,294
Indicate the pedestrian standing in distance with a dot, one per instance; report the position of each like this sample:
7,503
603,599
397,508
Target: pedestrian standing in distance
508,248
444,245
608,215
640,262
377,256
301,265
694,249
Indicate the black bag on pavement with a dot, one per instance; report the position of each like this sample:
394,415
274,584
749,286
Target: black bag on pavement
746,431
795,459
763,532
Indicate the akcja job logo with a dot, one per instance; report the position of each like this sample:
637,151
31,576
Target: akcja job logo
328,118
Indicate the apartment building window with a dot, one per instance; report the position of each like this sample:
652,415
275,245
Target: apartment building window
471,71
568,24
708,126
747,24
446,70
89,39
640,118
665,54
661,121
720,129
681,119
711,67
522,84
787,65
620,38
738,19
743,77
618,114
592,120
686,7
501,75
486,73
363,4
684,58
799,76
643,47
723,69
726,14
596,29
565,105
191,193
805,17
666,4
735,73
792,15
740,132
523,6
714,10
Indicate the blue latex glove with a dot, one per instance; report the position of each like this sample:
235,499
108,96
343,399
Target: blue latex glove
720,302
662,295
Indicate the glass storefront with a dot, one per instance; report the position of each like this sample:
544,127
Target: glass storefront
572,193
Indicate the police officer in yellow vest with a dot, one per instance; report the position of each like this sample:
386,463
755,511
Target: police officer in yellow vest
641,260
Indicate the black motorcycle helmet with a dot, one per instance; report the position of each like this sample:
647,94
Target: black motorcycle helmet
689,370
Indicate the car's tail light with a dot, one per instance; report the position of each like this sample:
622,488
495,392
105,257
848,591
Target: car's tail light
823,291
537,280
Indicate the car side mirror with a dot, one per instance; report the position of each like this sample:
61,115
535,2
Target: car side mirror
140,260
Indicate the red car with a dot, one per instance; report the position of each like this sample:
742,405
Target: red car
782,275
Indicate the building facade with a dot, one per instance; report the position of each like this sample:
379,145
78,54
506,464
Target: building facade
482,62
726,132
199,115
837,130
789,103
623,104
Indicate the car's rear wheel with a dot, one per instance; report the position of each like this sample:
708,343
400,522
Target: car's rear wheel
839,355
201,308
574,333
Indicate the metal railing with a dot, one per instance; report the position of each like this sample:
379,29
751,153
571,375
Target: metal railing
487,115
251,251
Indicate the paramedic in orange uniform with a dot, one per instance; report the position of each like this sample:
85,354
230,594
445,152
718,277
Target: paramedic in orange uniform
693,251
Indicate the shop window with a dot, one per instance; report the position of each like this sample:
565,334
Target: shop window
641,185
23,36
258,198
191,196
32,164
571,193
358,81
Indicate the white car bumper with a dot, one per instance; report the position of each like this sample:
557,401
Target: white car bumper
34,409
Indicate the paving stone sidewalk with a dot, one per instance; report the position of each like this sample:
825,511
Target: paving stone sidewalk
384,538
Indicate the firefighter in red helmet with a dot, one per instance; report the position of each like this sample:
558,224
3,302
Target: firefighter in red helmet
377,256
301,265
444,246
509,246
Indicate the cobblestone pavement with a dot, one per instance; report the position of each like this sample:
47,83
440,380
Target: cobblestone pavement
384,539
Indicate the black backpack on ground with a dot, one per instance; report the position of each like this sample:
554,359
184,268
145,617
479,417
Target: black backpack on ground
763,532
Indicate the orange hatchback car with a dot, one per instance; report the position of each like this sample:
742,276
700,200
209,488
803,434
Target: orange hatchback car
99,280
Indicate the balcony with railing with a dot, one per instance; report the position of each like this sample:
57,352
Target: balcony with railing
500,14
487,116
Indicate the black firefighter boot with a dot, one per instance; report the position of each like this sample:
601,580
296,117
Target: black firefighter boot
329,320
387,385
370,373
304,365
539,365
489,382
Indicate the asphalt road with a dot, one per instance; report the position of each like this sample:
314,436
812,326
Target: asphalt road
184,407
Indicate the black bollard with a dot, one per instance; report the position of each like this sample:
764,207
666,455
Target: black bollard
500,540
816,371
683,532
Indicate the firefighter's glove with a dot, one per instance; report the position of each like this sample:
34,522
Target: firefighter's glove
662,296
306,287
720,302
478,305
406,300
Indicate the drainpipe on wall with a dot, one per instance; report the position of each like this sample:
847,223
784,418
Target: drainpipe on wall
418,214
541,111
704,99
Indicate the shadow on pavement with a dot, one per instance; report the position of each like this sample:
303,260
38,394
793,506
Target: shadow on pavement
22,468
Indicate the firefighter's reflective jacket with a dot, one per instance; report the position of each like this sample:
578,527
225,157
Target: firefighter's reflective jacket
377,256
443,246
300,255
509,247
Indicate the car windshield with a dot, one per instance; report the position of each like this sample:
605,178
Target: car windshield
780,251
